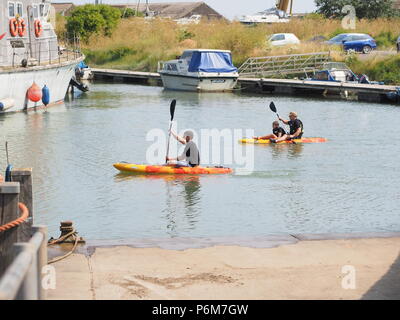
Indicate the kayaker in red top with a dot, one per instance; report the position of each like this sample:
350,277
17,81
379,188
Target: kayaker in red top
191,152
277,132
296,128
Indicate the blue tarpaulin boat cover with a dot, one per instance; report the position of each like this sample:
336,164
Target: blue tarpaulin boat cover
211,61
82,65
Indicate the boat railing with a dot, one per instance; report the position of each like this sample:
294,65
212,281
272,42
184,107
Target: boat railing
273,66
45,52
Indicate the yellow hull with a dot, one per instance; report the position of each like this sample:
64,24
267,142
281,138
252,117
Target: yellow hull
169,169
302,140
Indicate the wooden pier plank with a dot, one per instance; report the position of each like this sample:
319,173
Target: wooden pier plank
293,83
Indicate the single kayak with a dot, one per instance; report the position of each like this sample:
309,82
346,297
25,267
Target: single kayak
302,140
169,169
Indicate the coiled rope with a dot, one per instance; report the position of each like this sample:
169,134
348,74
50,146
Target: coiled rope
16,222
61,239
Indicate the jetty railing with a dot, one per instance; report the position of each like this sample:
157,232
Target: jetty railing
23,248
263,67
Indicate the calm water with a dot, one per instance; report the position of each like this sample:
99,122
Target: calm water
350,184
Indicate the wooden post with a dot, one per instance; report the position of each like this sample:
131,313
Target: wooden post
9,197
24,177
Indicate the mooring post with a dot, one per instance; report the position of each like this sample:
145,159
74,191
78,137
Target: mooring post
41,258
24,177
29,286
9,197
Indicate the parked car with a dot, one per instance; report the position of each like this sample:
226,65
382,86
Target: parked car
358,42
398,44
283,39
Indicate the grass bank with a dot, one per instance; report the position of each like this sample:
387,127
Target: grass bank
138,44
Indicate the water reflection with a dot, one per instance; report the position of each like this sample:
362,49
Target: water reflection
182,204
291,151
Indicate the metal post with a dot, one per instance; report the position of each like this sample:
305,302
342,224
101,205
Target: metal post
40,51
41,258
28,289
49,53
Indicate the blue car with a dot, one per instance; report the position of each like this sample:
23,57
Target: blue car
358,42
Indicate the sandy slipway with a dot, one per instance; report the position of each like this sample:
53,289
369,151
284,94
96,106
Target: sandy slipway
277,267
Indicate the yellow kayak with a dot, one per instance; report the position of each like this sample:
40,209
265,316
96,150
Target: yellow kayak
302,140
169,169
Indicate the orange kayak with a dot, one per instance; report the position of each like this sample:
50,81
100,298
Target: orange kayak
169,169
302,140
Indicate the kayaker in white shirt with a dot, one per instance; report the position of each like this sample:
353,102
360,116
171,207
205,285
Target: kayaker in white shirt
190,156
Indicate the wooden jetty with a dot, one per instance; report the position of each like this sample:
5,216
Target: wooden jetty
363,92
23,247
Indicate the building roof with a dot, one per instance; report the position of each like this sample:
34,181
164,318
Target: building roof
176,10
63,7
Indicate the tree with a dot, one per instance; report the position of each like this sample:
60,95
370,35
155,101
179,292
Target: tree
92,19
369,9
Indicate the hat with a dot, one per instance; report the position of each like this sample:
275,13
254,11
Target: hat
188,133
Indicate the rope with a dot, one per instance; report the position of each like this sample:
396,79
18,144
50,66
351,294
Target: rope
17,222
72,233
68,254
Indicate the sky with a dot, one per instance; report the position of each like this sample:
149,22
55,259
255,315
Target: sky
228,8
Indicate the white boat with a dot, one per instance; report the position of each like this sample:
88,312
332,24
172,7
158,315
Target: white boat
272,15
200,70
30,53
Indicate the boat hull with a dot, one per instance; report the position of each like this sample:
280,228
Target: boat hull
149,169
15,83
198,84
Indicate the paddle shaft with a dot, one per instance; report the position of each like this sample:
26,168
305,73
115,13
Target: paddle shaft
169,138
8,161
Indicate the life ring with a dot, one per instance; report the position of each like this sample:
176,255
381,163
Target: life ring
38,28
21,27
13,27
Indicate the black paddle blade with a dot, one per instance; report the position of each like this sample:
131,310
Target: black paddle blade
272,107
172,109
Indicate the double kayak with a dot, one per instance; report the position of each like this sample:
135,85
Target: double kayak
169,169
302,140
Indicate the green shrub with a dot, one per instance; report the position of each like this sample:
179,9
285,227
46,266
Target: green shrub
185,34
99,57
387,70
386,39
128,13
92,19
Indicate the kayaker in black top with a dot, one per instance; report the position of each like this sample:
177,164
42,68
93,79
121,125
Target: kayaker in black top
277,132
296,128
190,154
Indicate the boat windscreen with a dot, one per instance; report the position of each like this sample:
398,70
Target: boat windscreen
211,61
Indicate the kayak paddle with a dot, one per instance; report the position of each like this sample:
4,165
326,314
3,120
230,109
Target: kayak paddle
172,112
273,108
